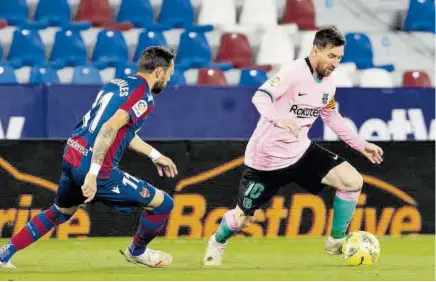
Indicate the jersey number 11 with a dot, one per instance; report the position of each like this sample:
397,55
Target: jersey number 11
101,102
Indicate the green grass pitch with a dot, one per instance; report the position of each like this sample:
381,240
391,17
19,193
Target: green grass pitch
402,258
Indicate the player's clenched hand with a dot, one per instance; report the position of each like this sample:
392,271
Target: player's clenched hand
89,187
373,153
291,125
165,166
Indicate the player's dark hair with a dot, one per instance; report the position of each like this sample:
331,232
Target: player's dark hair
329,36
154,57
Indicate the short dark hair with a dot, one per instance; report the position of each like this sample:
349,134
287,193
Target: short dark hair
329,36
154,57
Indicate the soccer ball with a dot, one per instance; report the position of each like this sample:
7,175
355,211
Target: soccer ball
361,248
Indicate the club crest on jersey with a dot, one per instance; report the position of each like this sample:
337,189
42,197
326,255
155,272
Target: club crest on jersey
145,193
140,108
325,98
274,81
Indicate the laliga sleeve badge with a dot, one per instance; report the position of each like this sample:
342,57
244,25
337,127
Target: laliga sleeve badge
145,193
274,81
139,108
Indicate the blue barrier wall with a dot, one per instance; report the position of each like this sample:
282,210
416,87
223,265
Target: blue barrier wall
214,112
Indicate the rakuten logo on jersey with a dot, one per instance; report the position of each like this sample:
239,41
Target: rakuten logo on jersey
402,124
305,112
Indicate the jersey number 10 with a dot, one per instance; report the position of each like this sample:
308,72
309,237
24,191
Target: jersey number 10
101,102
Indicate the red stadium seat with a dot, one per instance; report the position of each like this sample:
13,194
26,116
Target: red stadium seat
99,13
209,76
3,23
416,79
235,48
300,12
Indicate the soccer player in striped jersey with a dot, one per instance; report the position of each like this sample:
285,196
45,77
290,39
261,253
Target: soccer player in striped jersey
90,170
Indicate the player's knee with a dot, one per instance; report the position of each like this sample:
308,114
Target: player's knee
63,214
70,211
166,206
351,182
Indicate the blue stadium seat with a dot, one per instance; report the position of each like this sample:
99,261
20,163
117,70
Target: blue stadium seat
138,12
14,11
86,75
40,75
177,13
126,69
54,12
359,50
68,49
420,16
26,49
194,52
251,77
110,49
178,78
147,39
7,74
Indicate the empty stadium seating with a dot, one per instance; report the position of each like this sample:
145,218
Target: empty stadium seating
86,75
123,70
177,13
68,49
40,75
420,16
218,13
250,77
7,74
276,48
178,78
14,12
301,13
110,35
376,78
147,39
26,49
416,79
110,49
359,50
54,12
235,48
253,8
137,12
99,13
209,76
194,51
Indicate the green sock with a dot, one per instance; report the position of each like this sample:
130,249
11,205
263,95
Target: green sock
343,211
227,228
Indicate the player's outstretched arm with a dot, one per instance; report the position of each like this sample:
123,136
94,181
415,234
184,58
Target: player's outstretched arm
336,122
165,166
104,140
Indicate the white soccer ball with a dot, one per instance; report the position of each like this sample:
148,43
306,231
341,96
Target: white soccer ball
361,248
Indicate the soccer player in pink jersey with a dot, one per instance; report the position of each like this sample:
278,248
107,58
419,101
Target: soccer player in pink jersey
279,151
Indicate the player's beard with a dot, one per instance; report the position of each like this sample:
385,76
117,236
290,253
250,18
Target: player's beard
324,72
158,87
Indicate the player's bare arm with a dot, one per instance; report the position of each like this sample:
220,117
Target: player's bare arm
104,140
165,166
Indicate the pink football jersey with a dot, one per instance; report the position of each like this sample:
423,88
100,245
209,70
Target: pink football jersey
294,93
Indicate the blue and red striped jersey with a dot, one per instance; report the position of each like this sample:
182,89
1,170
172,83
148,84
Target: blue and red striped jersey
130,93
